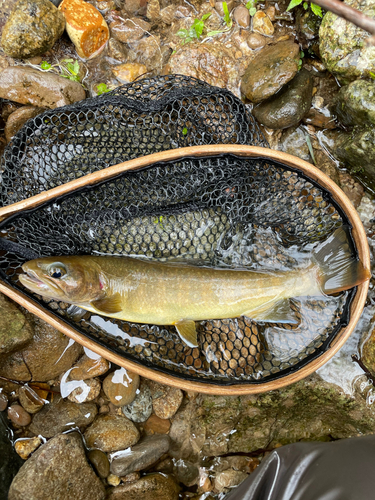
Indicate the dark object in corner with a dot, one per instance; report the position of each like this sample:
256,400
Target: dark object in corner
10,462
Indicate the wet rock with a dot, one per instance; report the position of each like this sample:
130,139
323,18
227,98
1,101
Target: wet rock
18,119
100,462
129,72
165,400
141,408
3,401
320,115
33,87
121,387
310,410
148,52
15,331
18,416
241,16
30,400
343,47
32,28
228,479
326,164
236,462
57,470
111,433
13,366
61,416
156,425
113,480
167,14
288,107
307,25
355,103
270,70
129,30
368,351
135,6
25,447
86,391
213,64
293,141
262,24
10,462
87,368
116,50
256,41
150,487
142,455
153,10
186,472
353,189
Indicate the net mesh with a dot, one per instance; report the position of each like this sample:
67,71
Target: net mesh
219,211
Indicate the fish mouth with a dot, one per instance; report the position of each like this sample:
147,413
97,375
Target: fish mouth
43,286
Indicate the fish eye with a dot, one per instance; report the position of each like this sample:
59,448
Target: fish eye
57,271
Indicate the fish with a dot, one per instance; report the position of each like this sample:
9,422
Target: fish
162,293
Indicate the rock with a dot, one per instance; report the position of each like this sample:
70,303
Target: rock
235,462
325,163
156,425
36,88
13,366
293,141
87,368
121,387
307,25
113,480
10,462
353,189
228,479
116,50
262,24
111,433
85,26
343,47
165,400
212,63
186,472
153,10
86,391
355,103
129,72
57,470
25,447
3,401
129,30
319,115
15,331
100,462
149,53
311,410
287,107
32,28
136,6
61,416
256,41
18,416
167,14
270,70
30,400
142,455
18,119
241,16
141,408
150,487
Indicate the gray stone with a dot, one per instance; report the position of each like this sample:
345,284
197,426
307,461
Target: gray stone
355,103
293,141
150,487
343,48
58,470
36,88
289,106
32,28
142,455
141,408
61,416
15,331
270,70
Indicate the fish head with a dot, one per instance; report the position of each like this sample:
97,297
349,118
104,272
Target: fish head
76,280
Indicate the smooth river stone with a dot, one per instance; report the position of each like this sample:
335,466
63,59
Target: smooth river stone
111,433
121,387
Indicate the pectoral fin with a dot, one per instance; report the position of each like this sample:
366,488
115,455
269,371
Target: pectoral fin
188,333
277,312
108,305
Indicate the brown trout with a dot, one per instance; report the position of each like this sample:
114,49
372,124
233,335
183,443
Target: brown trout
157,293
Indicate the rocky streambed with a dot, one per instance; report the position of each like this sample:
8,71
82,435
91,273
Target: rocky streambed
71,424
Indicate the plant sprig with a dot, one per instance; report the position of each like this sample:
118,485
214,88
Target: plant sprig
227,18
102,88
251,7
67,68
317,10
195,31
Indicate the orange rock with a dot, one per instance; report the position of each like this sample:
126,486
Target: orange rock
127,73
86,27
156,425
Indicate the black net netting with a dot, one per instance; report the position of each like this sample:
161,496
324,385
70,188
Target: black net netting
220,211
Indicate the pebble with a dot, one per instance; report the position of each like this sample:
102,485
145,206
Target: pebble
111,433
142,455
129,30
18,416
165,400
25,447
3,401
100,462
141,408
18,118
116,50
256,41
149,487
186,472
121,387
271,12
241,16
156,425
129,72
87,368
86,391
130,478
30,400
153,10
228,479
113,480
262,24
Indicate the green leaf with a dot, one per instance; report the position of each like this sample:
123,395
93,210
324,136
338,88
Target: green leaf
206,16
372,75
293,4
198,27
301,54
66,60
305,5
184,131
76,67
309,145
213,33
252,11
227,18
182,33
101,88
316,9
45,65
249,4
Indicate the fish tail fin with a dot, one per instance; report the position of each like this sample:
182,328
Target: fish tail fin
338,268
